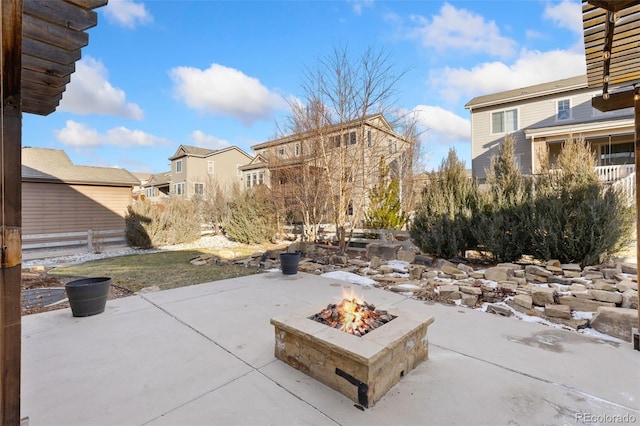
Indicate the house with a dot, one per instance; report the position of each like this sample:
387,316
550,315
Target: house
158,186
351,151
196,170
541,118
61,197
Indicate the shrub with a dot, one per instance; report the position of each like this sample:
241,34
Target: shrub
441,224
251,218
151,225
501,223
575,218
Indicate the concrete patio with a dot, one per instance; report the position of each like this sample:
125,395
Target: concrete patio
204,355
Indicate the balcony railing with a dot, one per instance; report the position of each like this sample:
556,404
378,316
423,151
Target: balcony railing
612,174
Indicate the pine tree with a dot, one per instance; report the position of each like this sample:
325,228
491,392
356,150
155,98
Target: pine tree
385,207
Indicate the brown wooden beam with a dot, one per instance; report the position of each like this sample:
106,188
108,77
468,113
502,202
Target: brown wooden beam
615,101
11,211
614,5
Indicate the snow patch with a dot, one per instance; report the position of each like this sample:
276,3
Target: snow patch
349,277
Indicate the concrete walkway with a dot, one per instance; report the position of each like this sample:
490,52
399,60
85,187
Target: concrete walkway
203,355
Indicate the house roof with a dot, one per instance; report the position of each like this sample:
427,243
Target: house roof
529,92
329,129
53,32
195,151
53,165
159,179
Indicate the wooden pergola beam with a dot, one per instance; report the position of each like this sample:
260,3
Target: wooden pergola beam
614,101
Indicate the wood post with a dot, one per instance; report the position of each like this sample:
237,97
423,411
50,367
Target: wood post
636,103
10,210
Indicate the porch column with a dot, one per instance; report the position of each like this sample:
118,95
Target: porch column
636,103
10,210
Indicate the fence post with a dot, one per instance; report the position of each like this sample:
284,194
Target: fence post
90,241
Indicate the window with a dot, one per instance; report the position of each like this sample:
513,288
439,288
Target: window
179,166
297,149
178,188
564,109
335,140
352,138
260,178
504,121
255,179
369,138
150,192
248,180
198,188
210,167
281,151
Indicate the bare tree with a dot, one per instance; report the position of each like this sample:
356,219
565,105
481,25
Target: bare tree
342,134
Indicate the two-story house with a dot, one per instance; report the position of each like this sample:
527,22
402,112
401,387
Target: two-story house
195,170
541,118
350,151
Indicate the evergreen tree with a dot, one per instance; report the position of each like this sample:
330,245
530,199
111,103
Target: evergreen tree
385,207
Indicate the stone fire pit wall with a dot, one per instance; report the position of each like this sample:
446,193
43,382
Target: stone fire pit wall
361,368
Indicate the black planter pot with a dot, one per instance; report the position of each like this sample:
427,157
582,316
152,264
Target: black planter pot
289,263
88,296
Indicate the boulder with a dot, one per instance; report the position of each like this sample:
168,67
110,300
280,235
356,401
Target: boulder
604,284
542,296
467,289
406,255
523,300
625,285
630,299
499,310
374,262
387,251
415,271
449,292
469,300
558,311
583,305
606,296
498,273
421,259
616,322
537,270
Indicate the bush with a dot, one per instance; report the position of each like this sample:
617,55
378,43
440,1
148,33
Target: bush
251,218
150,225
575,218
441,224
502,222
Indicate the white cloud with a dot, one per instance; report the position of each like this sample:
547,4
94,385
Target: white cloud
90,92
359,5
532,67
78,134
207,141
462,29
566,14
221,90
443,125
127,13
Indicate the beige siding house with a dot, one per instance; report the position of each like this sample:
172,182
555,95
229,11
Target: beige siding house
59,196
194,170
541,118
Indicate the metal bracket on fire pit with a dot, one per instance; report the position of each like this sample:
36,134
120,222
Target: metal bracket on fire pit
363,388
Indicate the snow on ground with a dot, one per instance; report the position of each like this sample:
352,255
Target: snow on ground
349,277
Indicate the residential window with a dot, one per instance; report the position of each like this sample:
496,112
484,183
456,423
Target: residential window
210,167
352,138
345,139
281,151
150,192
297,149
178,188
564,109
335,140
504,121
179,166
369,138
260,178
255,179
198,188
248,180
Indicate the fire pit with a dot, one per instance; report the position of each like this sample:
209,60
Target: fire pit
354,348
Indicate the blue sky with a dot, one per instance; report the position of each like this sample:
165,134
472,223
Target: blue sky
157,74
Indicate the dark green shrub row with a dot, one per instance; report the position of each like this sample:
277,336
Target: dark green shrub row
567,215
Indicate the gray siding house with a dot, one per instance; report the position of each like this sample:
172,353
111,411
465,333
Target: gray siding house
541,118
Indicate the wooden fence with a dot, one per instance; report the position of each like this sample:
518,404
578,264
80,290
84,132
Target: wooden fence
40,246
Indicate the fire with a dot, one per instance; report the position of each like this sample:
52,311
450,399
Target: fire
352,315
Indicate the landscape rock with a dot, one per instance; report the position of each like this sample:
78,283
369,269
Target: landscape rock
498,273
537,270
583,305
630,299
421,259
387,251
558,311
523,300
374,262
616,322
625,285
542,296
406,255
477,291
499,310
469,299
415,271
606,296
450,292
604,284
